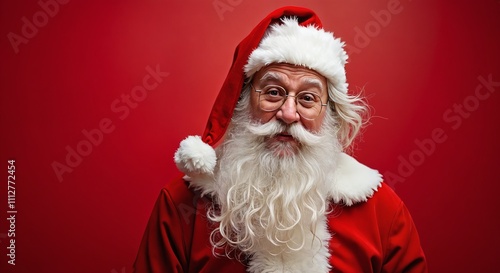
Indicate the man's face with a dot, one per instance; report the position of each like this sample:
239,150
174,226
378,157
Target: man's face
293,79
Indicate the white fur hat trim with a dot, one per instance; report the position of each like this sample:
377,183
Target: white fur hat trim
306,46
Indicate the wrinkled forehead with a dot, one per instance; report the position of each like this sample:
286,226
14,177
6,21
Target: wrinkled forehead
286,73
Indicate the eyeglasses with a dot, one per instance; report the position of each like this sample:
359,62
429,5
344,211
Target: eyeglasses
272,97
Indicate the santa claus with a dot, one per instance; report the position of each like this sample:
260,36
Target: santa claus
279,194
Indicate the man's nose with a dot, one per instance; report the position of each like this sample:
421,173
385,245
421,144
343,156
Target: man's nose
288,111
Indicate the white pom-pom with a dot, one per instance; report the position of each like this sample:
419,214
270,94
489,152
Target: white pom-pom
195,157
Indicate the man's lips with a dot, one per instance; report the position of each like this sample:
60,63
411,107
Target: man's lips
284,137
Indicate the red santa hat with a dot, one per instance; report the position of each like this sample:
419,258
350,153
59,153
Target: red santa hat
292,35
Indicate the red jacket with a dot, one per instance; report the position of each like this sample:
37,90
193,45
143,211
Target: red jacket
373,236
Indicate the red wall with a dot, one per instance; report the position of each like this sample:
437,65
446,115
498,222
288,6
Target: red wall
74,77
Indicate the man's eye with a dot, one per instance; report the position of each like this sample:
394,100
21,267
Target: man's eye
273,92
307,97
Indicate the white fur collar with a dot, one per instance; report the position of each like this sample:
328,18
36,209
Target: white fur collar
353,182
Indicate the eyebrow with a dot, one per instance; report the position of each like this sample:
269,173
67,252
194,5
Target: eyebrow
271,76
276,77
314,82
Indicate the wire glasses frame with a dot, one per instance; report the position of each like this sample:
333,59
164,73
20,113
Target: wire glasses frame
272,97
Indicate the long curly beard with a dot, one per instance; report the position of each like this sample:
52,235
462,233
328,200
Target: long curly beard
271,196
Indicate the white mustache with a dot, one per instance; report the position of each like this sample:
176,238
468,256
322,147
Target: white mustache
275,127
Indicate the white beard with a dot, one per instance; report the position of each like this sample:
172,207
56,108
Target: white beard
272,200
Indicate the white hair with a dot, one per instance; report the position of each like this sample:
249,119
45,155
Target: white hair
350,113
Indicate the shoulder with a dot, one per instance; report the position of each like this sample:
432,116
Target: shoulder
383,202
378,211
178,192
372,219
177,184
385,197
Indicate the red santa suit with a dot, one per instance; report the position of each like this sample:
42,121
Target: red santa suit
368,228
375,233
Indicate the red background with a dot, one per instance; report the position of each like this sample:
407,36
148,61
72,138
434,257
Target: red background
414,67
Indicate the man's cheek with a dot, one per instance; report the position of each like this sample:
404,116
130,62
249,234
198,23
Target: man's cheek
262,116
